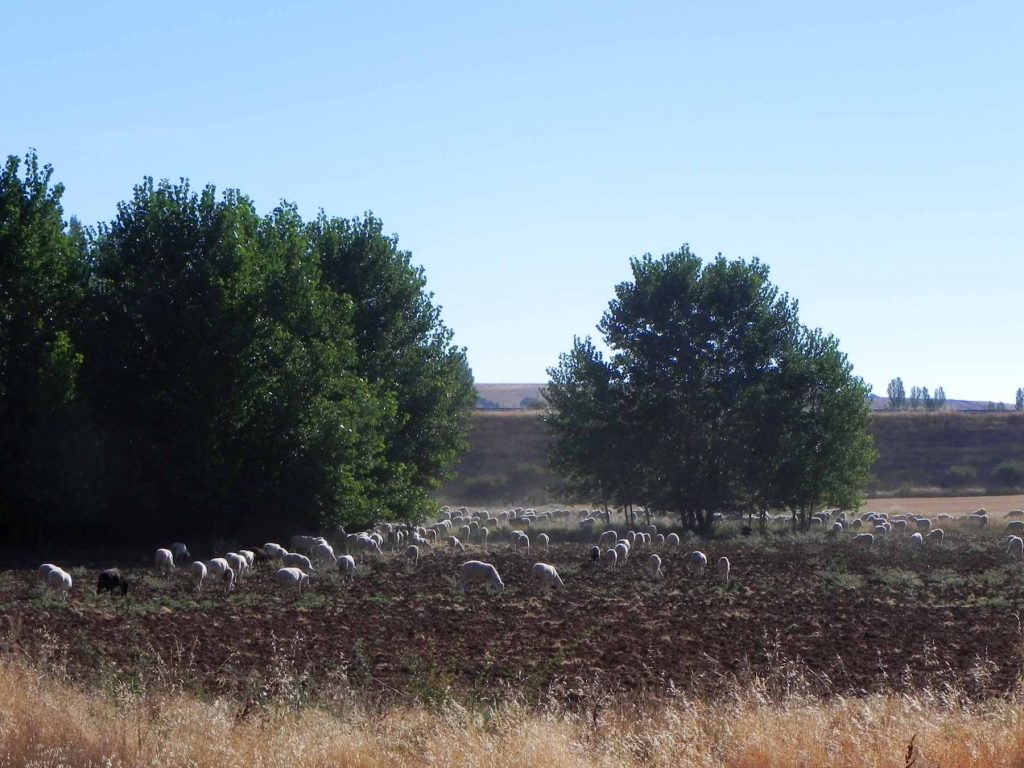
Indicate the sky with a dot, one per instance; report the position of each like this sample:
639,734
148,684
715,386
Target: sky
872,154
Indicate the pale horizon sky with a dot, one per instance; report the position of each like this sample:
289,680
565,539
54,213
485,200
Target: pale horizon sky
871,155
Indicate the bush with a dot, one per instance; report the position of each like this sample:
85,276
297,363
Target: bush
1009,473
959,475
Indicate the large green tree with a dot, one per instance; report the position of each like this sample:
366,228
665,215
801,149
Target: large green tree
725,401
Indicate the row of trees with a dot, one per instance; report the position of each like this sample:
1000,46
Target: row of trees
192,365
919,398
714,397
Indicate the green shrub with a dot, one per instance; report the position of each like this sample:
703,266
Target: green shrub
959,475
1009,473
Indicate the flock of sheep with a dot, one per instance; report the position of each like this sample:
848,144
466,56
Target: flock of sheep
294,568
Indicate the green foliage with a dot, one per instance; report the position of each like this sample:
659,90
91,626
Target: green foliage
1009,474
1019,401
959,475
215,370
715,398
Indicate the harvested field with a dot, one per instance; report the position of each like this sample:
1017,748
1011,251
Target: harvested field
891,619
963,505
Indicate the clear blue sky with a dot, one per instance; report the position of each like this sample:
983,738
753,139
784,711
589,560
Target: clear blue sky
872,155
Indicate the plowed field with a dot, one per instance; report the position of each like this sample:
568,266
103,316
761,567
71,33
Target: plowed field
846,620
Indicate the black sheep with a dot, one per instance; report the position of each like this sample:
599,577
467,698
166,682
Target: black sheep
111,580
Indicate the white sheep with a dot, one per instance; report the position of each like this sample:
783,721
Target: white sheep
300,543
924,524
522,541
456,544
295,560
483,533
654,567
60,581
44,572
864,540
323,552
274,551
607,538
547,575
292,577
697,561
475,570
163,560
180,552
198,569
672,541
237,562
249,555
659,540
412,555
724,568
917,539
1014,526
622,551
1015,548
543,540
347,566
610,558
935,536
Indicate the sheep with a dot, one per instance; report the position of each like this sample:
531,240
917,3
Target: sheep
697,561
163,560
347,566
607,538
837,527
368,544
475,570
456,545
654,567
611,558
1014,526
595,554
198,569
110,581
60,581
547,575
917,539
864,540
724,568
1015,513
522,541
935,536
979,521
483,533
322,551
274,551
924,524
659,540
249,555
622,551
292,577
300,543
412,555
238,563
44,571
217,567
543,540
672,540
1015,548
180,553
295,560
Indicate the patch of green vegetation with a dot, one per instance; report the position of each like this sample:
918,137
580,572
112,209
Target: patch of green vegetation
896,579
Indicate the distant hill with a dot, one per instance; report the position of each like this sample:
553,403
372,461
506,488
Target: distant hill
505,396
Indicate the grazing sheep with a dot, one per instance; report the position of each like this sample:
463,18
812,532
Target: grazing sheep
249,555
483,533
654,567
300,543
44,572
60,581
112,581
522,541
865,540
456,545
659,540
978,521
697,561
347,566
295,560
611,558
924,524
1015,513
323,552
1014,526
474,570
724,568
412,555
543,540
607,538
935,536
198,569
163,560
672,540
622,551
217,567
180,553
292,578
238,563
917,539
836,528
547,575
1015,548
274,551
595,554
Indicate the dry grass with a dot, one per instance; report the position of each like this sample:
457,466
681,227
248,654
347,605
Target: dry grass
950,505
44,722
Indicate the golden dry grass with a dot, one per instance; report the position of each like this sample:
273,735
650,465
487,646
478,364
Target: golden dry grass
950,505
44,722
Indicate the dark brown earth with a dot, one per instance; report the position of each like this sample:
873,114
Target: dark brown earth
814,614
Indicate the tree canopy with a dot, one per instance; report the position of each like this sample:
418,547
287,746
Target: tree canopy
217,370
714,398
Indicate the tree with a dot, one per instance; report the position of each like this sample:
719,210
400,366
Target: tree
1019,404
940,398
41,287
897,395
916,396
926,399
709,374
